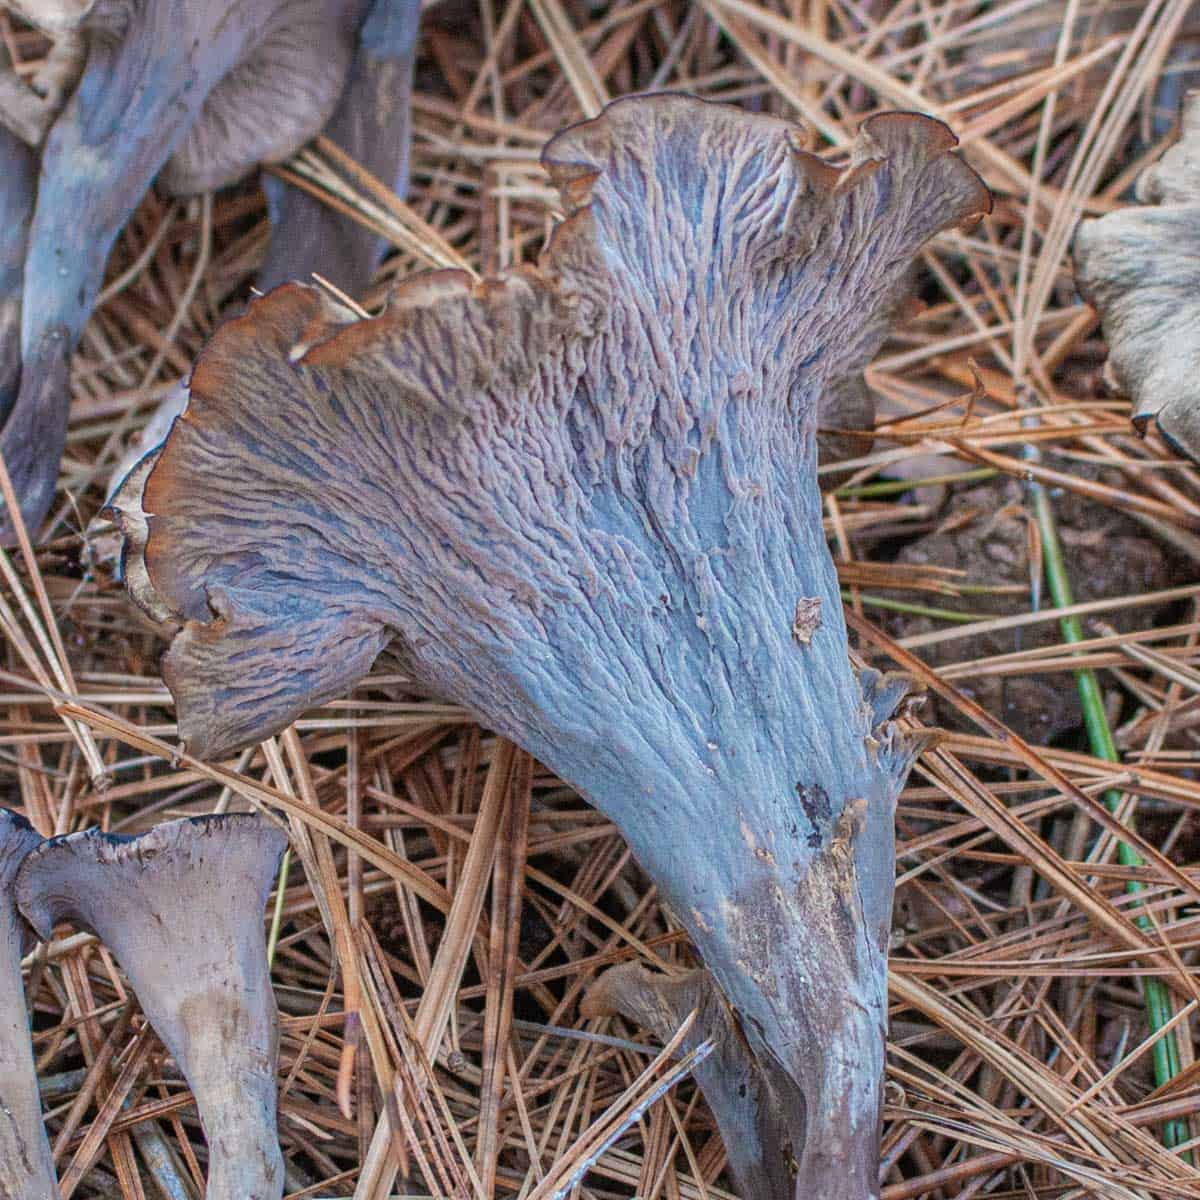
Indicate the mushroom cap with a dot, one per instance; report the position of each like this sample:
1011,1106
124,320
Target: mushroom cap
507,473
1140,268
109,883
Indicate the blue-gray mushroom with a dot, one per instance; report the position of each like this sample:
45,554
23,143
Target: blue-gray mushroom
174,90
582,496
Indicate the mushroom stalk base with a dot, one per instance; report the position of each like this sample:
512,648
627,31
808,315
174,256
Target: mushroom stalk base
803,968
238,1168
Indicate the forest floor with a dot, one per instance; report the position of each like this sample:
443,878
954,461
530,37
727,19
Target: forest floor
1026,1053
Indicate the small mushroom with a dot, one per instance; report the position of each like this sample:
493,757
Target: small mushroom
170,88
583,494
371,124
26,1165
1139,267
181,909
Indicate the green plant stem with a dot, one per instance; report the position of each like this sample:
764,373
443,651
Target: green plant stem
917,610
895,487
277,913
1154,993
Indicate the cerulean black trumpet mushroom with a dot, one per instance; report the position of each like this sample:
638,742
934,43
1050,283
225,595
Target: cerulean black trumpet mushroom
583,497
173,89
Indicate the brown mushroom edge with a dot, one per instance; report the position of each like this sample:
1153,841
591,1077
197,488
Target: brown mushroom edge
181,909
582,498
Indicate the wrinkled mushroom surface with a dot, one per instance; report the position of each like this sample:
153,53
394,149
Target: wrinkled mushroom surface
1140,268
26,1166
172,86
181,908
584,495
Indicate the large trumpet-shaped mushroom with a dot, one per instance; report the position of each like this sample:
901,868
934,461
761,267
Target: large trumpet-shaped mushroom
181,909
170,88
26,1165
583,494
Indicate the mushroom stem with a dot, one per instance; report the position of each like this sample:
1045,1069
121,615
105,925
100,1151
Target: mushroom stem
181,909
372,124
784,882
26,1165
18,173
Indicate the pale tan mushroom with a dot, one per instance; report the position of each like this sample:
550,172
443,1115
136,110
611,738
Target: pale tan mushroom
1140,268
181,909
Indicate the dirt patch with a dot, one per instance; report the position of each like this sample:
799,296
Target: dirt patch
987,532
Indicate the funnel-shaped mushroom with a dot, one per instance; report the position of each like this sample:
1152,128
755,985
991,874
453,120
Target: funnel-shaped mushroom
172,86
26,1166
181,909
584,496
1140,268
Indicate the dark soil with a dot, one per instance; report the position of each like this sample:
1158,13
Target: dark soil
988,532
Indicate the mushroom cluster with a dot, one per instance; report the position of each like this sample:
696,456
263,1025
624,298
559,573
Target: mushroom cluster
173,90
199,971
581,498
